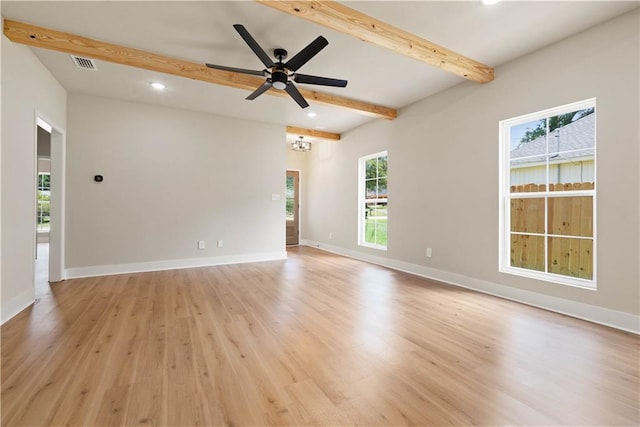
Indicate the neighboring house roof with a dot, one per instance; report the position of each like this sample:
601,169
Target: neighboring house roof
577,135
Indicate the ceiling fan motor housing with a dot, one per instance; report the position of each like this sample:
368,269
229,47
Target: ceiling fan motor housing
279,79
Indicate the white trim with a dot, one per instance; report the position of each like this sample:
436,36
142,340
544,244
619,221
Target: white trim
592,313
44,125
373,246
546,276
58,195
16,304
139,267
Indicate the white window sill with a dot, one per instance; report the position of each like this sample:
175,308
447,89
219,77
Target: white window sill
550,277
373,246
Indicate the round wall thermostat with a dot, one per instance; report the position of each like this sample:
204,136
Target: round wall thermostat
98,178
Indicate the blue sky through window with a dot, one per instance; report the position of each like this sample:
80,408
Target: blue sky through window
517,132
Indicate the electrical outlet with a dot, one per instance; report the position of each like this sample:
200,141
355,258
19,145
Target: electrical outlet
220,243
330,236
201,244
428,252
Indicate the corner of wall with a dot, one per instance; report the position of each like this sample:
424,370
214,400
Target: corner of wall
16,304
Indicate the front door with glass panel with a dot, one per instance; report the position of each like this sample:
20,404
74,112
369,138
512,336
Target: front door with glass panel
293,207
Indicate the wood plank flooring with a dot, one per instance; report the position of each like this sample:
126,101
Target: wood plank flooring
317,339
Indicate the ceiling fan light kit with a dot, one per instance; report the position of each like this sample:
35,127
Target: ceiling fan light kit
280,75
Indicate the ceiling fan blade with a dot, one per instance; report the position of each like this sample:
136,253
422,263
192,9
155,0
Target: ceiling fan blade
296,95
315,80
262,89
237,70
306,54
255,47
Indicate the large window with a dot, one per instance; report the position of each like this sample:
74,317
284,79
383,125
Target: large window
548,186
44,202
372,200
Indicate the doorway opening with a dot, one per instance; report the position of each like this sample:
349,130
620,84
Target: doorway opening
293,208
43,206
49,204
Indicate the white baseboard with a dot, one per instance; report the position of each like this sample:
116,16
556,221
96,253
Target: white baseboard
139,267
592,313
16,304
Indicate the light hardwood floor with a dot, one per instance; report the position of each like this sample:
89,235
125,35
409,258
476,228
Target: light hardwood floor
315,340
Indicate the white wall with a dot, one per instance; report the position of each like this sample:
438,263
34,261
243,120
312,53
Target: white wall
44,165
296,160
27,87
443,173
171,177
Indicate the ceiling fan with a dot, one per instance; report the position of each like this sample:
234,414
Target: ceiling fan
282,75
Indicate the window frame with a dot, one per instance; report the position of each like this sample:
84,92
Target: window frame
287,198
362,200
505,197
42,227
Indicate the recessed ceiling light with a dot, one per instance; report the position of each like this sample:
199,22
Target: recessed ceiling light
489,2
158,86
319,127
311,114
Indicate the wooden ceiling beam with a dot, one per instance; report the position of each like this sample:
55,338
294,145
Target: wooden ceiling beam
313,133
74,44
341,18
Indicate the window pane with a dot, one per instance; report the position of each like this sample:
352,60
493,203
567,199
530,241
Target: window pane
571,257
382,166
573,170
289,214
571,216
376,223
371,189
43,210
290,186
290,195
379,211
44,181
527,215
370,232
527,251
369,223
528,157
572,131
528,177
381,233
371,167
528,141
382,187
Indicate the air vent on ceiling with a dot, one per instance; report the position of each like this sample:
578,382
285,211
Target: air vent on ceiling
84,63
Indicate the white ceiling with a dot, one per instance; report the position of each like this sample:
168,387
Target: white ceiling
202,31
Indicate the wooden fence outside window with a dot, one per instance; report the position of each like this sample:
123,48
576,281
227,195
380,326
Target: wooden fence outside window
570,230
